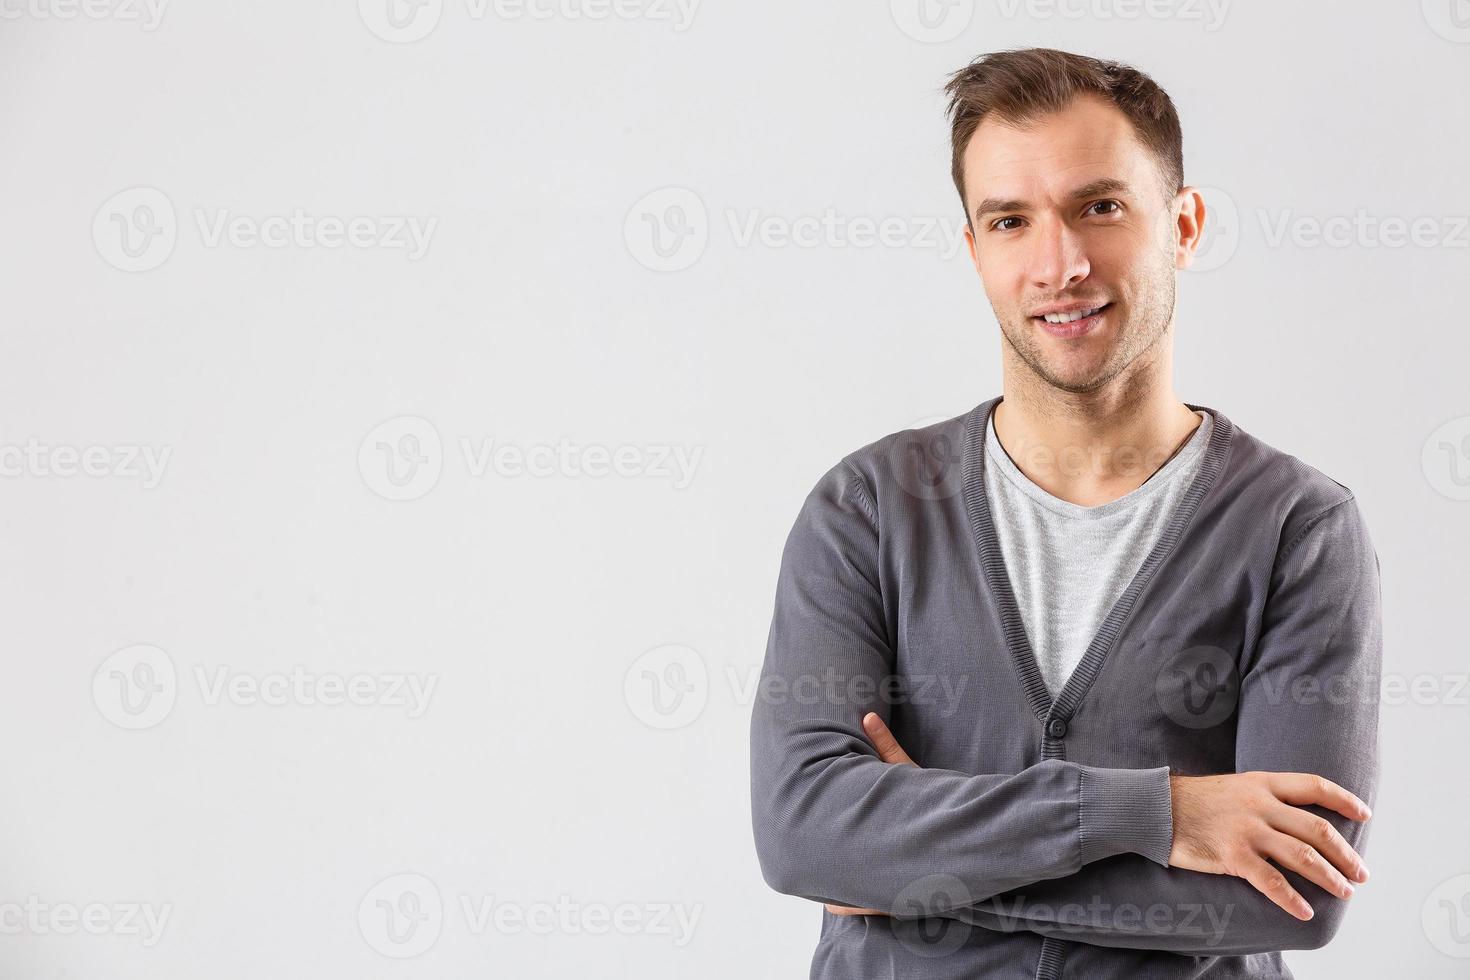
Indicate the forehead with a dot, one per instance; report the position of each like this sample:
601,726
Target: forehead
1088,140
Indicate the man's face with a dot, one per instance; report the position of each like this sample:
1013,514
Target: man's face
1069,215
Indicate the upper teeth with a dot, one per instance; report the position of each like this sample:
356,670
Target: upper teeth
1069,317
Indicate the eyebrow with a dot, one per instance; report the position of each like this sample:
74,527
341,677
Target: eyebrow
1107,185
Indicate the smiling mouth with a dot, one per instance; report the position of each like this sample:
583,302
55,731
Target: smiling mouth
1074,324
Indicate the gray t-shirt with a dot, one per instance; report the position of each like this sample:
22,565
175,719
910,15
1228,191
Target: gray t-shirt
1069,564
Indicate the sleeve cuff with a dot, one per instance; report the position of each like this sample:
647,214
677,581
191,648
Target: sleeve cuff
1126,811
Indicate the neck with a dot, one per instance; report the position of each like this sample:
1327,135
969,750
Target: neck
1095,446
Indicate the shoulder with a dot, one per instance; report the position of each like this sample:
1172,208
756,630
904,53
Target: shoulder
1278,491
923,462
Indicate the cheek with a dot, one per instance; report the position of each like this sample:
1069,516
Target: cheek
1003,274
1004,285
1141,256
1116,257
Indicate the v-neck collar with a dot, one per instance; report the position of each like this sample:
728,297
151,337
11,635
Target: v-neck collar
1054,714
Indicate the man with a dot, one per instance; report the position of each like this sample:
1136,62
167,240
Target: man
1134,650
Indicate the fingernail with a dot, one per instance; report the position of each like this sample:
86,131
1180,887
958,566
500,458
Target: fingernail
1348,890
1306,911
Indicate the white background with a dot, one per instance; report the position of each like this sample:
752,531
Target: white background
546,150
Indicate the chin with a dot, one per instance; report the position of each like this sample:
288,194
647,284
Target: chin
1075,378
1077,386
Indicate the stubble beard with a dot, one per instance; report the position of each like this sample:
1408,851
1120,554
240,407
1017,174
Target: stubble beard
1138,335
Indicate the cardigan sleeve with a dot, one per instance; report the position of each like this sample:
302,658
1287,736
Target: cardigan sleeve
834,823
1308,702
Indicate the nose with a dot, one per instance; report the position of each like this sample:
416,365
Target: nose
1058,258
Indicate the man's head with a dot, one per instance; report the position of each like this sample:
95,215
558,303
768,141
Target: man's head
1070,170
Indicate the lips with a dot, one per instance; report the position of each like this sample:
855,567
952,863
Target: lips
1074,323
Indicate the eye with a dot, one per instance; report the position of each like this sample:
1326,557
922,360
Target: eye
1114,207
996,225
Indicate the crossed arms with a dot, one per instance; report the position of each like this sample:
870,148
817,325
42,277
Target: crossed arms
838,824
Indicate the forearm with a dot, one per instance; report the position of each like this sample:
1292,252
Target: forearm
834,823
1128,902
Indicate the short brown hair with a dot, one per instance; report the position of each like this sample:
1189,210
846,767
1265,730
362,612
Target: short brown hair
1018,86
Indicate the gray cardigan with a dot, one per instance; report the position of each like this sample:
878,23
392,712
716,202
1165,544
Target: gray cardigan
1034,841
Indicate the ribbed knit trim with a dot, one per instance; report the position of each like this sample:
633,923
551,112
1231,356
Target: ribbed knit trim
982,525
1053,955
1126,811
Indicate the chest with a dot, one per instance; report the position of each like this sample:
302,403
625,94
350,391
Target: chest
1157,682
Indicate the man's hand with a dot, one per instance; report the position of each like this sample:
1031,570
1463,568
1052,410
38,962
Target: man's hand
891,752
1232,824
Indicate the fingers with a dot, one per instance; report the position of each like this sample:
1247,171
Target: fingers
844,910
1301,857
1273,884
1303,788
1320,834
888,748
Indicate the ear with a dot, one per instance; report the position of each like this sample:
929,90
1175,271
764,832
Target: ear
970,244
1189,225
